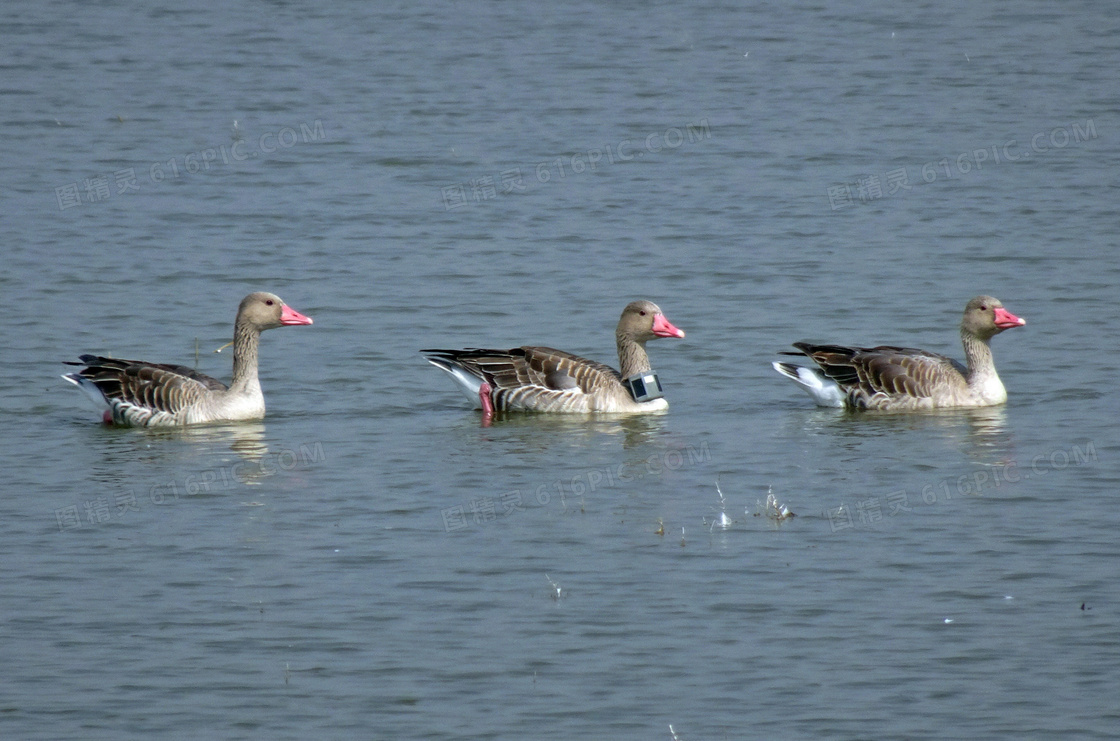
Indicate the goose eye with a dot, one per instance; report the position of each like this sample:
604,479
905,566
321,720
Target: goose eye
269,302
983,308
641,313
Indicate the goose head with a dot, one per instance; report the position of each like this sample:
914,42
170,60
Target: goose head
642,321
985,317
266,311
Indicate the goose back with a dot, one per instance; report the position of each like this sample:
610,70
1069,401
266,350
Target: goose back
890,377
141,394
539,379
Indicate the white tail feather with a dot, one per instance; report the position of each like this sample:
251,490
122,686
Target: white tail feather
825,392
89,388
467,383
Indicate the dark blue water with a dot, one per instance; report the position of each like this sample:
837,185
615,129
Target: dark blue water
371,562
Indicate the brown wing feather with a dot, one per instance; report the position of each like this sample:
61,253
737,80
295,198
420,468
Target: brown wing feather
153,386
531,377
550,364
895,371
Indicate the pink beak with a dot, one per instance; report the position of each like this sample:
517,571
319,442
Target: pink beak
290,316
1006,320
662,327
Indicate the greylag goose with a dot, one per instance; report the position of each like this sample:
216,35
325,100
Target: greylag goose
904,379
541,379
140,394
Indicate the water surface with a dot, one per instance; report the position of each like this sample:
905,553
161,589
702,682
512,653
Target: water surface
369,561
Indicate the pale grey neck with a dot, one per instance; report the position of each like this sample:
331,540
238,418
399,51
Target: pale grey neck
246,340
977,352
632,357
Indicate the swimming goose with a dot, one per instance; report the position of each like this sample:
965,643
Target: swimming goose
140,394
904,379
541,379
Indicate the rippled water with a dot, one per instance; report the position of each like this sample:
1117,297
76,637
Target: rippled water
371,562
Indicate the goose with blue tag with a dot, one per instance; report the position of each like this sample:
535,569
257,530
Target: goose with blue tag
542,379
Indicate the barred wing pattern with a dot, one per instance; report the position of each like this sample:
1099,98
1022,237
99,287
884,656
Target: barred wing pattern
537,378
142,394
898,377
